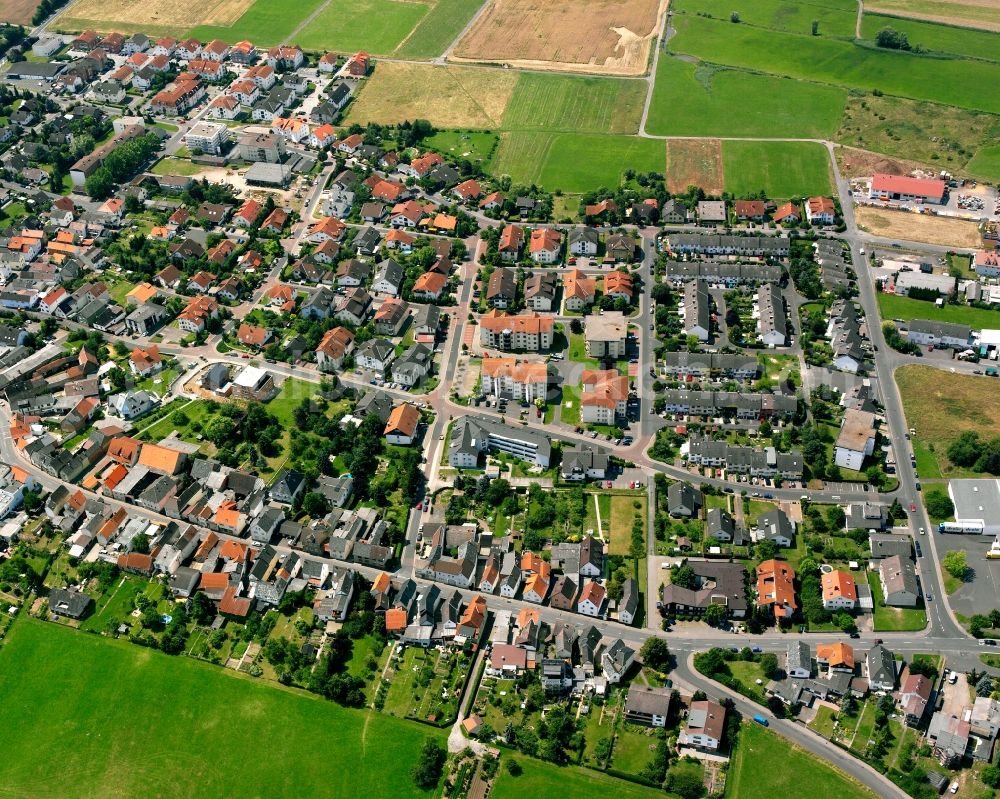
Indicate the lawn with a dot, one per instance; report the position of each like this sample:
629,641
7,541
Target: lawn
472,145
781,169
633,749
378,26
801,774
843,63
438,29
892,306
824,721
706,100
986,162
291,394
940,410
265,23
578,351
747,672
920,131
570,413
575,162
927,463
195,411
102,709
176,166
888,619
622,516
937,38
571,104
544,779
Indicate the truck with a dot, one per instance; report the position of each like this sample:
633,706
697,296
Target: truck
761,720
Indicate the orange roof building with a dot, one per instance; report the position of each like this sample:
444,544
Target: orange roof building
776,588
839,591
161,459
835,657
402,423
395,620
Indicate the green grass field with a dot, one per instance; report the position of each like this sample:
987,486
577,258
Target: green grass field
264,23
575,104
475,145
438,29
936,38
573,162
703,100
800,774
125,721
986,162
892,306
836,18
942,406
782,169
541,779
378,26
918,131
948,81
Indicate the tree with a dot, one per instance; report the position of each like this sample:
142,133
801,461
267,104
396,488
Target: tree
845,622
891,39
939,505
427,771
140,543
315,504
766,550
220,430
715,614
655,653
991,776
815,27
955,564
513,767
768,664
734,17
684,577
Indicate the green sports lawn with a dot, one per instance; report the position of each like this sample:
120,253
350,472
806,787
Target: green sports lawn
566,103
266,23
937,38
986,162
377,26
438,29
800,773
782,169
952,81
575,163
893,307
543,779
835,17
704,100
85,716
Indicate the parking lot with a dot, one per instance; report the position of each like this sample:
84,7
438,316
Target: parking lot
980,593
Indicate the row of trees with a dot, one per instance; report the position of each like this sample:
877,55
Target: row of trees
121,164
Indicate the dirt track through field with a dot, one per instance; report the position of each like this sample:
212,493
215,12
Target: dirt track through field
610,37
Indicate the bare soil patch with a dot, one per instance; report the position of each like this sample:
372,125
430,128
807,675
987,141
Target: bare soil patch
153,13
855,163
918,227
695,162
609,37
17,12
